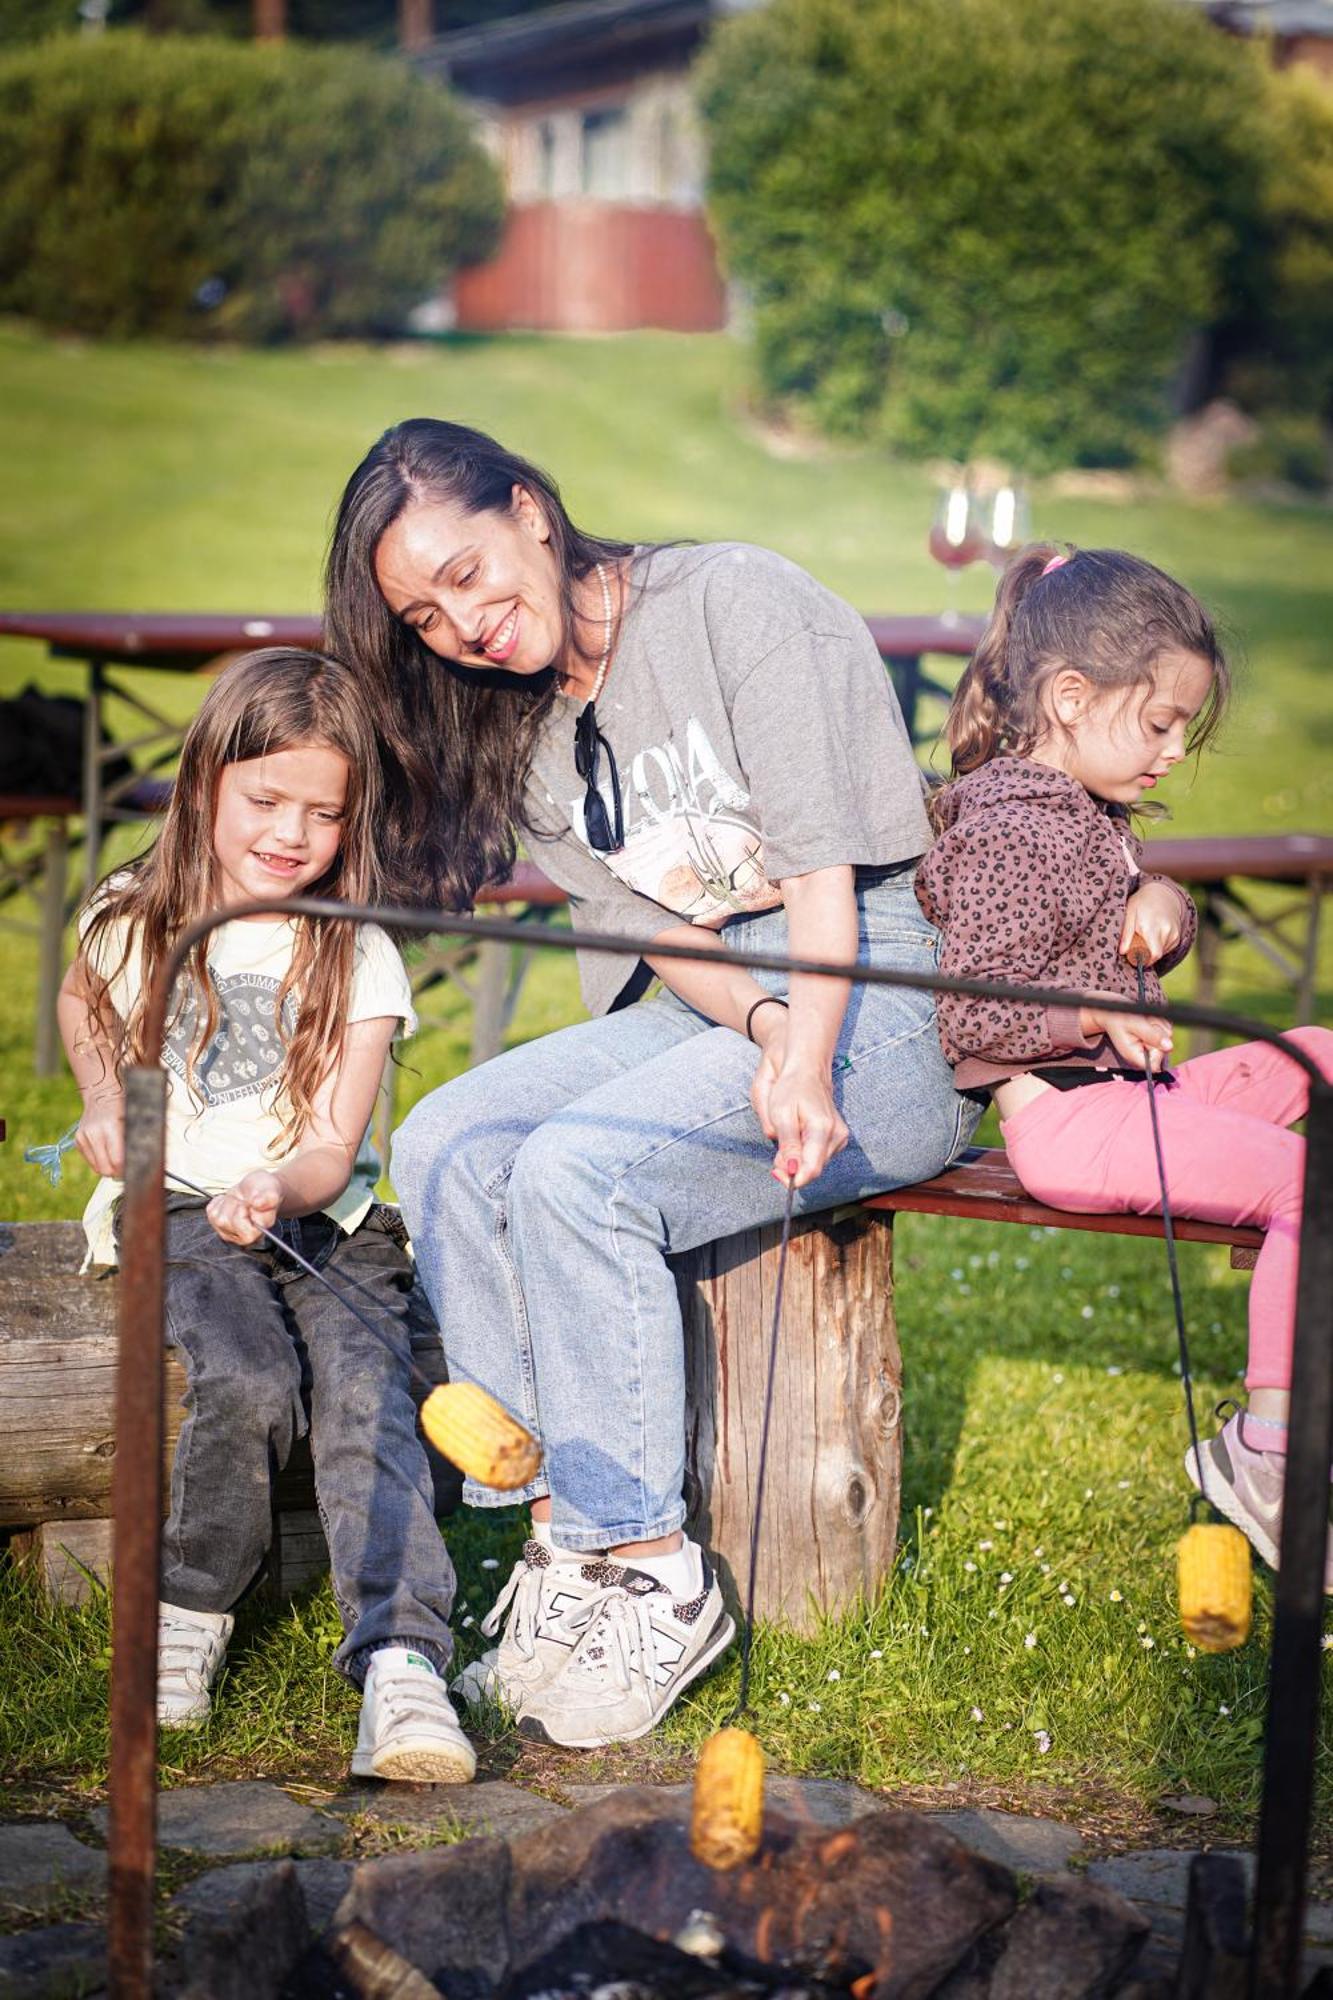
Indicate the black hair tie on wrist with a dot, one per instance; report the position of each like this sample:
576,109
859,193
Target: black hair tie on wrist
764,1000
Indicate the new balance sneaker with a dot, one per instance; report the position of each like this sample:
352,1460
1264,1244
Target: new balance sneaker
190,1646
1245,1484
640,1649
408,1728
542,1610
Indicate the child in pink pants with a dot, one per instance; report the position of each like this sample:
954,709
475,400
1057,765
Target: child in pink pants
1095,675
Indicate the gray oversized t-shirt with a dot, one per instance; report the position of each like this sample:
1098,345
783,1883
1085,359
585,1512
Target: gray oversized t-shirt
756,735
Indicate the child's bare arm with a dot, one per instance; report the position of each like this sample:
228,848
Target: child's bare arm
88,1028
321,1167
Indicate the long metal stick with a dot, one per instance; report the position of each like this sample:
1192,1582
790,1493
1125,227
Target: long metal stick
1140,958
1290,1757
334,1291
747,1636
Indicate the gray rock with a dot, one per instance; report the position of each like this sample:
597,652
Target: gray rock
820,1801
1070,1941
491,1807
1031,1846
245,1818
224,1893
245,1949
445,1906
808,1801
50,1964
43,1865
1156,1875
1190,1803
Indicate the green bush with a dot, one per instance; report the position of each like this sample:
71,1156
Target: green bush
983,226
1290,448
204,188
1278,350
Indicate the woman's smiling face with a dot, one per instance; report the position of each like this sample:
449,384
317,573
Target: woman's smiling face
482,590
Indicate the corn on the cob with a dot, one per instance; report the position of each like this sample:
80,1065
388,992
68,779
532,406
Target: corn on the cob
728,1814
483,1440
1215,1586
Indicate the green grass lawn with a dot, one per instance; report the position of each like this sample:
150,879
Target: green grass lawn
1043,1417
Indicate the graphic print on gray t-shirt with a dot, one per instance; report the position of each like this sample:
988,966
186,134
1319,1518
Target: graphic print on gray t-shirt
246,1050
690,842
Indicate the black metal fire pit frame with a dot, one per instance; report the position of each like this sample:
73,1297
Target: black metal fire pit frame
1294,1670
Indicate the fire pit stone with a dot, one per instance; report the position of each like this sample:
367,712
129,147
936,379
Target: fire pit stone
883,1909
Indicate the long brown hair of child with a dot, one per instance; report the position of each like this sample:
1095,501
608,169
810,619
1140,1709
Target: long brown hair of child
276,699
1106,613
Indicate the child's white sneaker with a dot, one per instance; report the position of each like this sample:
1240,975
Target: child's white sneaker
190,1646
408,1728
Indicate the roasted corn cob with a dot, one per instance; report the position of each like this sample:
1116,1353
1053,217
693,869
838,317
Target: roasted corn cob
1215,1586
483,1440
728,1799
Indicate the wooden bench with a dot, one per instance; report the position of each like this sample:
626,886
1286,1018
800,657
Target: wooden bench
831,1505
57,1389
831,1501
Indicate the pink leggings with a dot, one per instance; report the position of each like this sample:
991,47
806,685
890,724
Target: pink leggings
1228,1159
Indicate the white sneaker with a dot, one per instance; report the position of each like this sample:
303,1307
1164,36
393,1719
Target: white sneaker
408,1728
544,1607
190,1646
639,1650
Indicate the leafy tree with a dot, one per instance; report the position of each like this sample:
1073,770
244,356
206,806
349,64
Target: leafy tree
200,188
983,225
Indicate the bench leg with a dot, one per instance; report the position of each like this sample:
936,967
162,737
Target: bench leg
69,1558
50,947
830,1522
1209,953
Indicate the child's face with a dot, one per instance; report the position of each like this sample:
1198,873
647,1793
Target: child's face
480,589
1118,742
278,821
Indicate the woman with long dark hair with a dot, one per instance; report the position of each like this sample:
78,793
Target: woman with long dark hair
701,745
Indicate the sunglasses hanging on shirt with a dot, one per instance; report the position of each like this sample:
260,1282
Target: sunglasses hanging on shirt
606,833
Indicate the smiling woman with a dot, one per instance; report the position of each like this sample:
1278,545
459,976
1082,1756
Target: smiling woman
701,745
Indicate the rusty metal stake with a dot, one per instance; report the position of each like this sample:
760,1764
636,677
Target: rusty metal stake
1295,1667
136,1506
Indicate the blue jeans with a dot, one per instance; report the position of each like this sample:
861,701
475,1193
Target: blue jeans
545,1190
269,1354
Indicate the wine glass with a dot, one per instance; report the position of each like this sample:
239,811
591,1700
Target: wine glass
955,538
1009,524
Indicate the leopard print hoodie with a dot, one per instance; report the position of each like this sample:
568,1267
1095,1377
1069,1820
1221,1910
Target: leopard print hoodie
1028,883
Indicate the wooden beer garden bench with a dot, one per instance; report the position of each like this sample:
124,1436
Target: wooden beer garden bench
831,1505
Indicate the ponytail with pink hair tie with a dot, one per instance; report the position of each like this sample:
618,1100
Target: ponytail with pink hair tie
1056,562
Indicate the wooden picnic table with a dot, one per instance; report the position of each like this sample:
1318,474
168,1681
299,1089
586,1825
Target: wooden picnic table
1212,867
178,642
181,642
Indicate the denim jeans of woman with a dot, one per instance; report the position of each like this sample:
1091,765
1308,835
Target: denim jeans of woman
545,1190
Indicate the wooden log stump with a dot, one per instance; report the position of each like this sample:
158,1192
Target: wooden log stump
830,1521
57,1391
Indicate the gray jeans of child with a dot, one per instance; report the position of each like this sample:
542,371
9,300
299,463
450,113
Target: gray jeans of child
268,1355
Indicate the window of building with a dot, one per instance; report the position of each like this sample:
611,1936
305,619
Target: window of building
604,156
545,159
